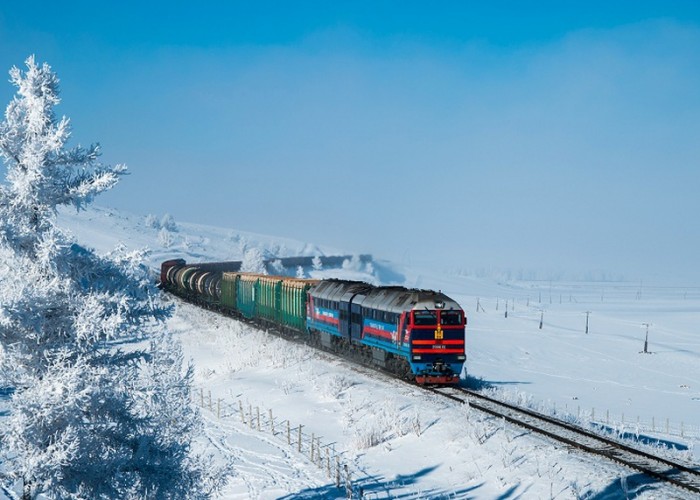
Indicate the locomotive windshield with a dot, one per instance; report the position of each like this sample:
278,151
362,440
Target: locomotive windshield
425,317
451,317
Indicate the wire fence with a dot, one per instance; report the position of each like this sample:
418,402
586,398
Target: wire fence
296,436
634,426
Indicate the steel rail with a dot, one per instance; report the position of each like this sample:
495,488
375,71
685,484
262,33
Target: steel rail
664,469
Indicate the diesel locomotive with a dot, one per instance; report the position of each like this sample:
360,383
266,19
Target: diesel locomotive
416,334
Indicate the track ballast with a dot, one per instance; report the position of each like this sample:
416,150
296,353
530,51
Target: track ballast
669,471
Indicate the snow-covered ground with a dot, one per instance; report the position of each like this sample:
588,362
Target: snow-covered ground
400,442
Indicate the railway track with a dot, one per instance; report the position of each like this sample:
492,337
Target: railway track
663,469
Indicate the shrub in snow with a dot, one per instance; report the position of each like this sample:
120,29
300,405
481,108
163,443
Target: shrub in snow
333,386
187,243
373,426
367,436
253,262
87,419
165,238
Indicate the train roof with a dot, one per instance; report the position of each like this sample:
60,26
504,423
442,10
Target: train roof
388,298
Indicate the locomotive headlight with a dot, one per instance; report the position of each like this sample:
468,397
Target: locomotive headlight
461,358
417,357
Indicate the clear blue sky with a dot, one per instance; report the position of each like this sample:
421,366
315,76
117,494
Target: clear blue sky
547,135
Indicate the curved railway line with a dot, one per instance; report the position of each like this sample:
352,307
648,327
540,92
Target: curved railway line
663,469
684,476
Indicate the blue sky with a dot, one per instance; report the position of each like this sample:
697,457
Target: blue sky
557,136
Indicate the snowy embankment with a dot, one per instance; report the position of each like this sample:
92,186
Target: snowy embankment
398,441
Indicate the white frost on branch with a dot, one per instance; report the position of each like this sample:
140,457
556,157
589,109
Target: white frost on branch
253,262
87,419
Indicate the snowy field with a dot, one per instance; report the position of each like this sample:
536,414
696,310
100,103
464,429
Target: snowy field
400,443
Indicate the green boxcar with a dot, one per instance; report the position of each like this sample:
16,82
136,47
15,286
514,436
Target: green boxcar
275,298
229,289
246,295
268,297
292,305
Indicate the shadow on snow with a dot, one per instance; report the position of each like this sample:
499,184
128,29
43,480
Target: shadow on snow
378,487
5,395
641,438
626,487
479,384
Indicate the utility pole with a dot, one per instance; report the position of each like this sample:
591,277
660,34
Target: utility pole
541,318
587,313
646,338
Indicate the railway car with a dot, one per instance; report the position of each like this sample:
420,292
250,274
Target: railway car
417,334
278,300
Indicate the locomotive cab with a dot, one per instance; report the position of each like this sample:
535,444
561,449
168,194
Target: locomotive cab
436,334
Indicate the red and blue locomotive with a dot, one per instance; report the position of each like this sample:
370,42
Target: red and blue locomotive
415,333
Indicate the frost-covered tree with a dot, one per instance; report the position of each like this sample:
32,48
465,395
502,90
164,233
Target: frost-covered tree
253,262
352,264
87,419
277,267
300,272
152,221
316,263
168,222
242,245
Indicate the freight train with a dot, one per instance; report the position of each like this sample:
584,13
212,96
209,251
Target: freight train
416,334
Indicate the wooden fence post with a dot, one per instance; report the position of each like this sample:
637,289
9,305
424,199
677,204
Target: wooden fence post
337,471
348,482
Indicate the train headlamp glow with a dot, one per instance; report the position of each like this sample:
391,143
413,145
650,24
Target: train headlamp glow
461,358
417,357
439,304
